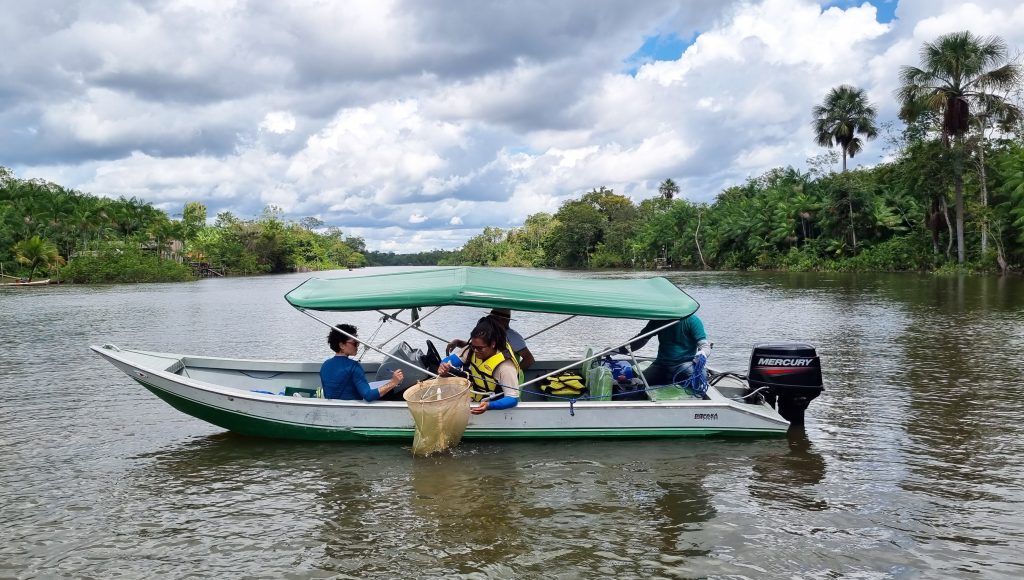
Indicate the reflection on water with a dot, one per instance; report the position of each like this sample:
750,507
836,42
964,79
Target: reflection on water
791,477
909,466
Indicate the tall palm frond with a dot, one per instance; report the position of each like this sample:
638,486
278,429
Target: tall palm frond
843,115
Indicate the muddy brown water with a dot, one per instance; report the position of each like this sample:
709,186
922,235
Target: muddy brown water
911,464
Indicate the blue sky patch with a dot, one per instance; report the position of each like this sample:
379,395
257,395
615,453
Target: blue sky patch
670,46
657,47
886,9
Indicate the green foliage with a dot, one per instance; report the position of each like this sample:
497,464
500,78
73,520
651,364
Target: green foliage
845,114
577,233
429,258
121,262
959,87
601,218
887,218
483,249
193,220
1011,166
36,253
904,253
78,225
668,189
1007,216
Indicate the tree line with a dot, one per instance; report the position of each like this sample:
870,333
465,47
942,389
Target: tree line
47,229
955,178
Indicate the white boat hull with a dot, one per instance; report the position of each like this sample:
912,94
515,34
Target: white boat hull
221,392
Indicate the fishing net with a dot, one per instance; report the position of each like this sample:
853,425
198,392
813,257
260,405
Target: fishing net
440,408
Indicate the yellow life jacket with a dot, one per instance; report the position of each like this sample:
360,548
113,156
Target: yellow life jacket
564,385
481,373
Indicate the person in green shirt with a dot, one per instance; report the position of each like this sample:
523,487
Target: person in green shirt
679,347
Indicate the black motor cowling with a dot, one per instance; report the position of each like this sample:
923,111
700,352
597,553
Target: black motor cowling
791,373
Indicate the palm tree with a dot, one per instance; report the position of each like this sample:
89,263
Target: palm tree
35,252
960,70
668,189
844,114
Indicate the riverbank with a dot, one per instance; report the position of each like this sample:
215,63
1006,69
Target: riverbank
98,272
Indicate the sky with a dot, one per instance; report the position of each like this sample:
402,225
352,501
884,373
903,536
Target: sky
416,124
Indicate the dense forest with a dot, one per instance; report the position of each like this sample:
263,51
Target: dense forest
46,229
949,197
893,217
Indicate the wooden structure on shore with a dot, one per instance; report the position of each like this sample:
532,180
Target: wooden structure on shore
205,270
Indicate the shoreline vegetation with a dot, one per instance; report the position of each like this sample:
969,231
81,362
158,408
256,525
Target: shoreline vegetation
949,198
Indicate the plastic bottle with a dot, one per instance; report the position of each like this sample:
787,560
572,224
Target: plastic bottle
453,360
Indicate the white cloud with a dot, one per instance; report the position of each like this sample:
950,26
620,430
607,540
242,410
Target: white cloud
387,152
278,122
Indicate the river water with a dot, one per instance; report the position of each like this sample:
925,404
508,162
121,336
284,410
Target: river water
911,464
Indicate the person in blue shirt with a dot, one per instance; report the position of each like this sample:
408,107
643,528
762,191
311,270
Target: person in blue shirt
679,347
344,378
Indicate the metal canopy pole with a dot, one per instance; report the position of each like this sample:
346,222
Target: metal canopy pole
370,346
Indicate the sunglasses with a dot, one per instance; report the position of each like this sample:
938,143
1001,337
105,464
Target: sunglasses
478,348
352,342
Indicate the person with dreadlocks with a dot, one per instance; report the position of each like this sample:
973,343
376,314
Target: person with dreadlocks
503,316
491,367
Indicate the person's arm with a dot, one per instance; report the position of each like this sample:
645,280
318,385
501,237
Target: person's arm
639,343
454,344
695,328
508,378
396,379
526,359
368,393
518,344
444,369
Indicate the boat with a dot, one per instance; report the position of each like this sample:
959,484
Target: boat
26,282
276,398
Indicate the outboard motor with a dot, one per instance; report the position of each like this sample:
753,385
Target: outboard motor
791,372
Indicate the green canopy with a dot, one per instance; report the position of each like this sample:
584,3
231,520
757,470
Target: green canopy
647,298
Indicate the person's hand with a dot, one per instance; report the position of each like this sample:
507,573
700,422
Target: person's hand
454,344
699,359
443,368
480,408
397,377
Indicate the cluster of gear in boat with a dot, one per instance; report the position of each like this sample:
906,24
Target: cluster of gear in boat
786,376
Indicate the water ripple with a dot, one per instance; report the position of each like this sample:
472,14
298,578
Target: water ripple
909,467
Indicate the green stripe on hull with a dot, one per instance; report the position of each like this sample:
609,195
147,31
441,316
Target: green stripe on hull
262,427
638,433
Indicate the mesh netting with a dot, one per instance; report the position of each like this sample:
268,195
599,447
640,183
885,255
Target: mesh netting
440,408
